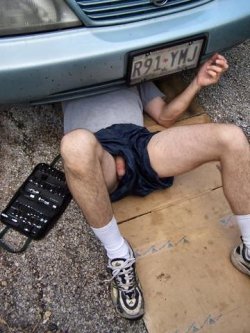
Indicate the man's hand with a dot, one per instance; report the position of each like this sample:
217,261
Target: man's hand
211,71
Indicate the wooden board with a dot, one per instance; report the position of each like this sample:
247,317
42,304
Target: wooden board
183,263
155,228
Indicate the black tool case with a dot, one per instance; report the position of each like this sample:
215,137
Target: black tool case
37,205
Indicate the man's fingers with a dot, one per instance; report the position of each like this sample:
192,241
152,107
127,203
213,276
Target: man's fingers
215,69
222,63
219,56
218,59
212,74
218,67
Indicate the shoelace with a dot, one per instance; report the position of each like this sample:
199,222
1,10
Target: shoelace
126,270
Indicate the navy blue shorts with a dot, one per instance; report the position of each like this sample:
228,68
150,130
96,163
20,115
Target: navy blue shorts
130,141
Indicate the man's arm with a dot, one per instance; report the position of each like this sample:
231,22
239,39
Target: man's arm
167,114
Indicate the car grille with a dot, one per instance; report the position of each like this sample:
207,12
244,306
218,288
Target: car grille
108,12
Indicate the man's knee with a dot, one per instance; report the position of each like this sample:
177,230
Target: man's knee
77,146
232,138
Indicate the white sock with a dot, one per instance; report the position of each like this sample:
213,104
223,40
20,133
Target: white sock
244,225
112,240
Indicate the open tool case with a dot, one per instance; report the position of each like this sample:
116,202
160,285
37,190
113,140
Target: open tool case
37,205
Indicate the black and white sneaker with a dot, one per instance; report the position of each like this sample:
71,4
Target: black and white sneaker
126,292
240,260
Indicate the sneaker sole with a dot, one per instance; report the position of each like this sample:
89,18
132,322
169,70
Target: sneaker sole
124,314
235,261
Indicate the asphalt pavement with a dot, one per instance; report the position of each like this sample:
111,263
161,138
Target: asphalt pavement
58,284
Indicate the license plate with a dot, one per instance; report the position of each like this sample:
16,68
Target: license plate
165,60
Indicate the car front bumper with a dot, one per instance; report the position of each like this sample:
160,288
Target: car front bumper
66,64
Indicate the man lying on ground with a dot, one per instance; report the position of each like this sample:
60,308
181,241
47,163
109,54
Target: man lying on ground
108,154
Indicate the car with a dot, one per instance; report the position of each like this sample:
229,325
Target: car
54,50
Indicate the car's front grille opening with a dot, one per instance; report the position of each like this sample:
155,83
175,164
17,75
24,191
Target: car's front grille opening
107,12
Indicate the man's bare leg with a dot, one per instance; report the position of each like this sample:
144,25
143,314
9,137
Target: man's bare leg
181,149
91,175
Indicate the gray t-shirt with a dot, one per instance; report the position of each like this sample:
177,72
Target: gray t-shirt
118,107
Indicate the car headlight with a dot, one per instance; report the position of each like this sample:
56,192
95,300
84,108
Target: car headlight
27,16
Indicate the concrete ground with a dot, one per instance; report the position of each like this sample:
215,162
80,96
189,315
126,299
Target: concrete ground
58,284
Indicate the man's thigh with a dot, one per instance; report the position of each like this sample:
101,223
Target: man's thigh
180,149
109,171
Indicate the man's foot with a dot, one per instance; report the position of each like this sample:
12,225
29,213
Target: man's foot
125,288
239,259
